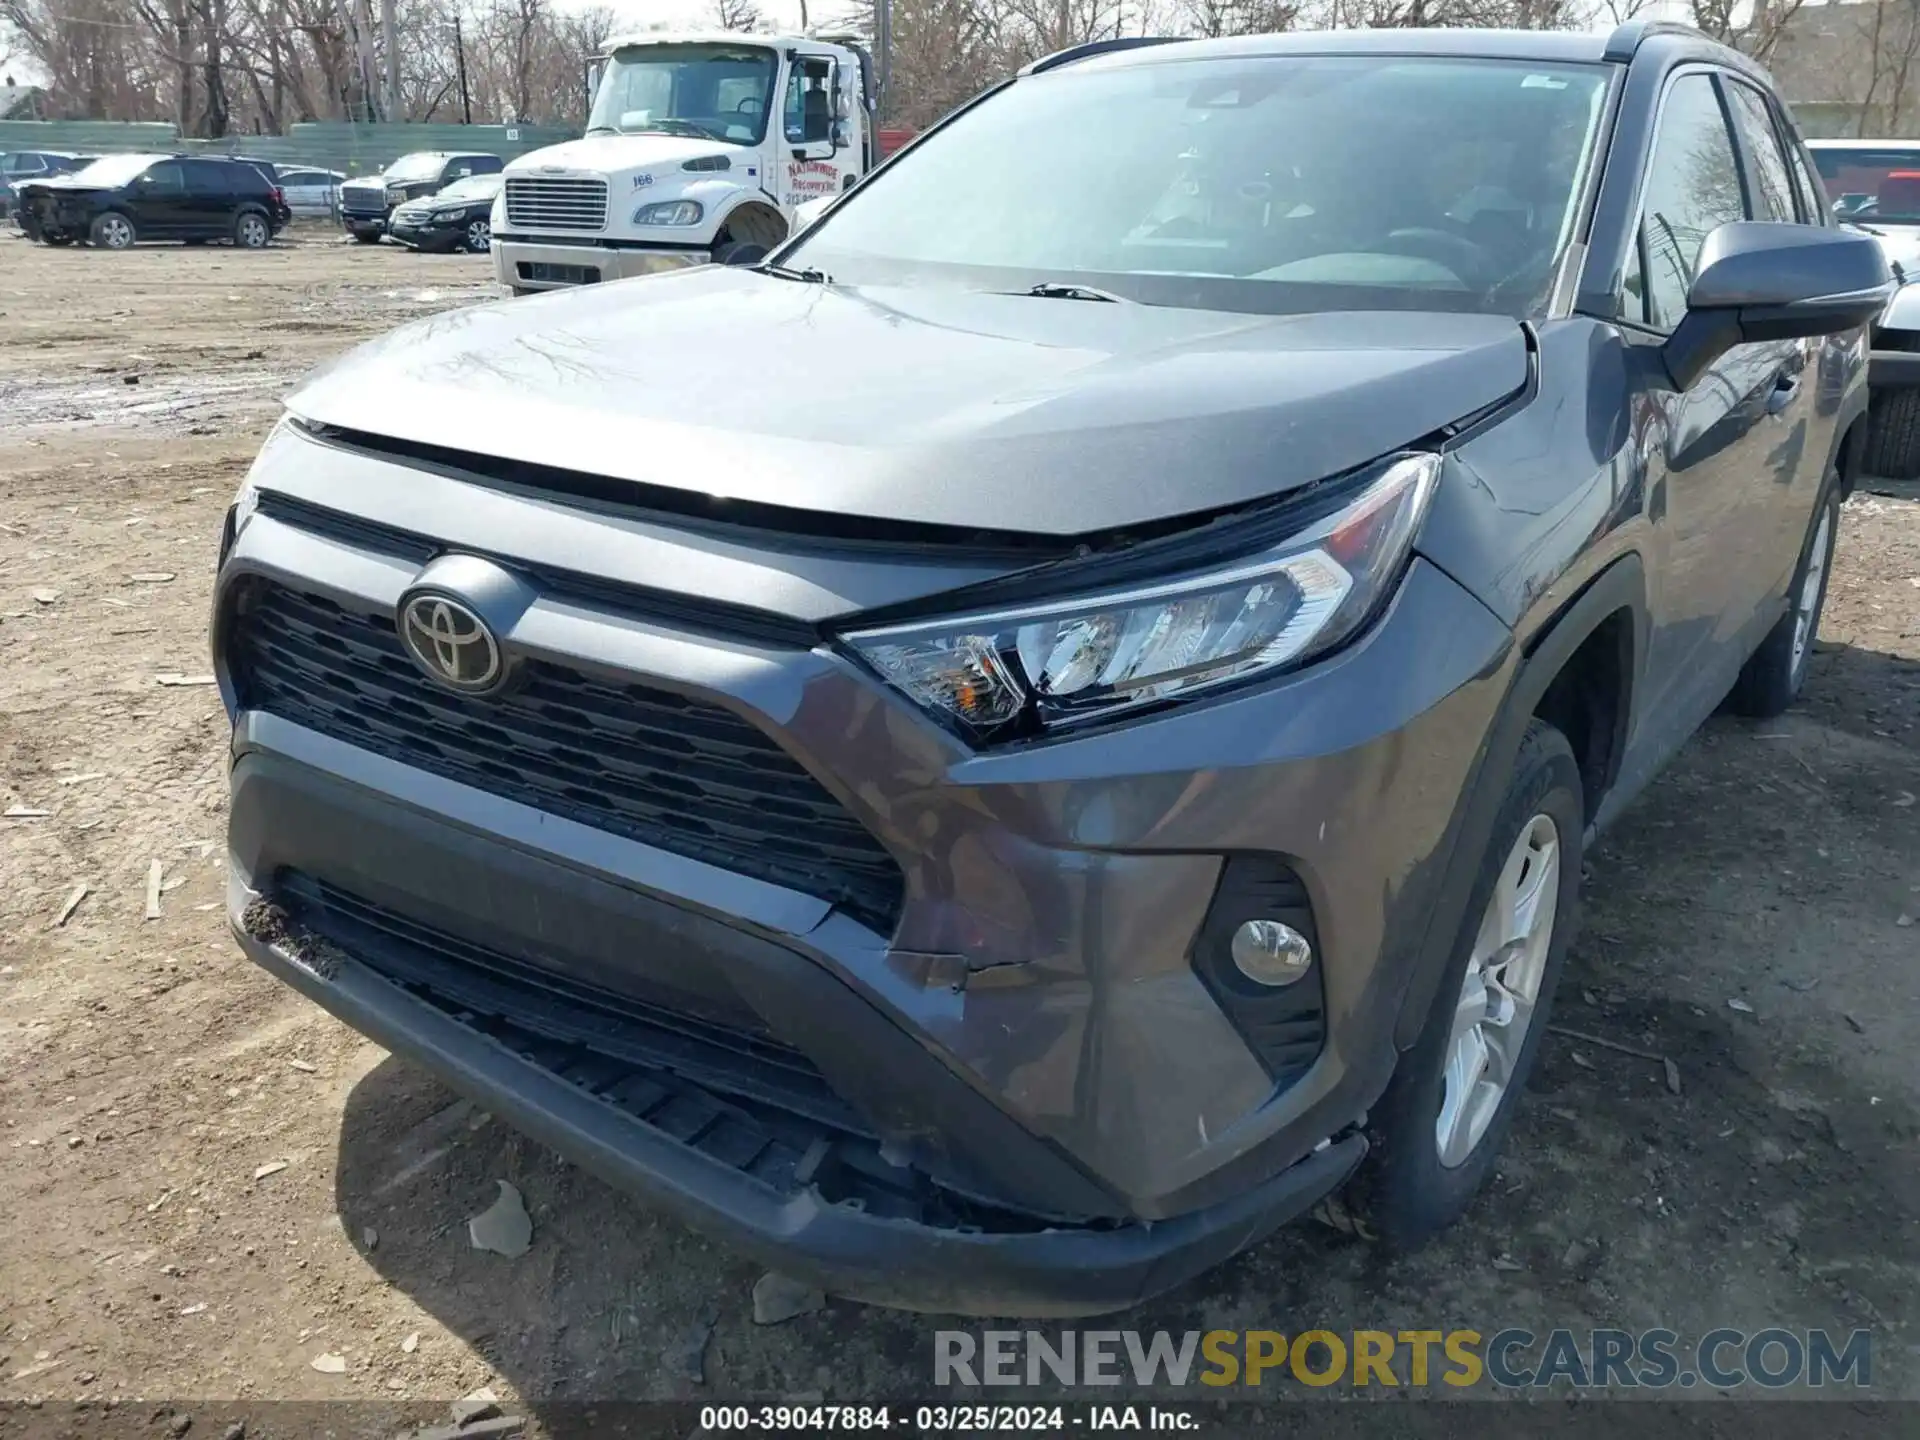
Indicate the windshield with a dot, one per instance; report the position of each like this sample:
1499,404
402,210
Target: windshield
1877,184
423,166
474,187
1284,184
115,170
715,92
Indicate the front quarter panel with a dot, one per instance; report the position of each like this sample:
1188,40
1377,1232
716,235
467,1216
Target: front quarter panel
1539,502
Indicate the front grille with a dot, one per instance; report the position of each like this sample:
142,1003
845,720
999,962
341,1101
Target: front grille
363,199
558,274
623,757
557,204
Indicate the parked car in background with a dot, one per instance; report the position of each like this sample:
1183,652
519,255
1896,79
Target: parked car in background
458,218
121,200
17,166
999,753
367,203
311,192
1875,185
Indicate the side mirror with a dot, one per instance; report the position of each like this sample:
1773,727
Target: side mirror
1759,281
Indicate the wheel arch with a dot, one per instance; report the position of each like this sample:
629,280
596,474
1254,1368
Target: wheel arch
1599,634
752,219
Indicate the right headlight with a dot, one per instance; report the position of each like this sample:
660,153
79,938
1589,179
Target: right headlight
1067,662
669,212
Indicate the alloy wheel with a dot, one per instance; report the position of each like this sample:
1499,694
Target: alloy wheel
253,232
1806,604
116,233
479,236
1500,990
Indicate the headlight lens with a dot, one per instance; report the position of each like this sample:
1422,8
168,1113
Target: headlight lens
669,212
394,197
1063,663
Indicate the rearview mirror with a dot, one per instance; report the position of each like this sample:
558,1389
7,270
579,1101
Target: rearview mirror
1759,281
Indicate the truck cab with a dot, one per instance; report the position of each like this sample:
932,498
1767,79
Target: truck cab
699,148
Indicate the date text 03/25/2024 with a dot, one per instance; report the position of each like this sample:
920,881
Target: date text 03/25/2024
939,1418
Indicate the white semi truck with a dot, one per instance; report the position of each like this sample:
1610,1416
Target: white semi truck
699,148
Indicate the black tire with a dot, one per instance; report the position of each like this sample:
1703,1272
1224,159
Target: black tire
1771,679
112,231
1403,1193
738,252
360,237
1892,451
252,231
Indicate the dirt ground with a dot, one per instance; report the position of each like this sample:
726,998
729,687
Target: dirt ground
1752,920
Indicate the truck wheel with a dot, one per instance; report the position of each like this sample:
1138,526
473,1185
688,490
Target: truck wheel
360,237
738,252
1892,451
111,231
1438,1129
1770,681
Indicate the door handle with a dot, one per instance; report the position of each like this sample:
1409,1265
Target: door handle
1786,385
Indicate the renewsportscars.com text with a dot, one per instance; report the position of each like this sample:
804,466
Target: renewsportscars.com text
1510,1358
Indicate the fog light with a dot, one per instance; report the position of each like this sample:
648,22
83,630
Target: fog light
1270,953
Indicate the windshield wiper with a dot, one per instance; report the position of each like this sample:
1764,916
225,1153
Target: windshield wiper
603,130
1057,290
786,272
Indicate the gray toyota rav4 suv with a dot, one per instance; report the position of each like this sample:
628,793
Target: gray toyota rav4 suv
994,757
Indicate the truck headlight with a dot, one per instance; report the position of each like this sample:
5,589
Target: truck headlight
394,197
1067,662
669,212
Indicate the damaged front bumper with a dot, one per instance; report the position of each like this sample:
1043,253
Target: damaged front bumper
800,1199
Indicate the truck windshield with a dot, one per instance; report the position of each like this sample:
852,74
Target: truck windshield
715,92
421,166
1273,185
1871,185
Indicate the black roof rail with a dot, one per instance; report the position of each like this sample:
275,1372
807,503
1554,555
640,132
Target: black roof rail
1627,37
1076,53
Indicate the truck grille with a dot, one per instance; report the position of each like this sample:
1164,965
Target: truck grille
364,199
623,757
543,204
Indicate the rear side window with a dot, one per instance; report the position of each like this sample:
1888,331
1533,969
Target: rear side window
1692,188
1770,182
485,165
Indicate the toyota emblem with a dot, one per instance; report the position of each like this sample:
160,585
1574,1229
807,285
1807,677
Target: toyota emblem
451,643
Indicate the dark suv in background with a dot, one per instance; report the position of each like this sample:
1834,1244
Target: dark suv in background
367,203
1004,840
120,200
19,166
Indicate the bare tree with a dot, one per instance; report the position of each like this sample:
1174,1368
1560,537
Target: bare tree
737,15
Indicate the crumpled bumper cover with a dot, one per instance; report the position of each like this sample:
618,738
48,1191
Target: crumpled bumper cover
1041,1272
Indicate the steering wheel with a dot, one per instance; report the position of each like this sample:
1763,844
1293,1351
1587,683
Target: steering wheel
752,105
1466,259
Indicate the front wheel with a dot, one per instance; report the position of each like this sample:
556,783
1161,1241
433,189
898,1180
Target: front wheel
111,231
1437,1131
738,252
1771,679
479,237
360,237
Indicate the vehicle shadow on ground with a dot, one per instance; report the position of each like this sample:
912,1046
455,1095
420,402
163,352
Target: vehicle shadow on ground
1765,1179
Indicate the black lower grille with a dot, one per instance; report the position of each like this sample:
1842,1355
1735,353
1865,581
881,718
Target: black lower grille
558,274
626,758
740,1097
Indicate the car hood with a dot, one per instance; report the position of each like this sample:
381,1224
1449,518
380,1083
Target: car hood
938,406
617,154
